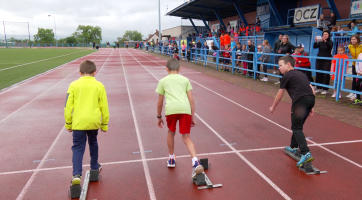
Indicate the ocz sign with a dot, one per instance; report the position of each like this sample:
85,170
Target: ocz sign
306,14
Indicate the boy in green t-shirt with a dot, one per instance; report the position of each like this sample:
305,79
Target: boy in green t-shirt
180,107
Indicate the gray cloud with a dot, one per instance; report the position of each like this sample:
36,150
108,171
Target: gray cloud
114,17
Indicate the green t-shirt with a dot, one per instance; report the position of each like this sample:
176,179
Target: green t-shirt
175,87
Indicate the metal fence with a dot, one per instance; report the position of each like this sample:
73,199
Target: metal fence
26,45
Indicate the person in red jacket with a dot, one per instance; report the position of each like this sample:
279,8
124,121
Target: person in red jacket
304,62
227,39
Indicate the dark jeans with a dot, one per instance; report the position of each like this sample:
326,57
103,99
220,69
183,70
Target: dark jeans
358,88
354,79
308,73
250,67
78,148
323,78
258,74
265,69
300,112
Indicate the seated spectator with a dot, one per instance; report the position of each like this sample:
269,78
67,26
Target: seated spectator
354,28
337,68
340,29
321,23
333,21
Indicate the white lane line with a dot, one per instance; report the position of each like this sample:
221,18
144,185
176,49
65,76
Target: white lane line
140,144
11,87
38,96
181,156
33,176
275,123
271,183
41,60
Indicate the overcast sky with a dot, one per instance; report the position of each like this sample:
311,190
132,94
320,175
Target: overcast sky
114,17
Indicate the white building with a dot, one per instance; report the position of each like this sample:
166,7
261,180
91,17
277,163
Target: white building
178,31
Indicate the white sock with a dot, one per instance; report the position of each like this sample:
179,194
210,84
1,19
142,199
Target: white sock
172,156
194,160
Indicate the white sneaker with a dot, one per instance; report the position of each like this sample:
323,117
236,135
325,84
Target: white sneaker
277,83
350,95
318,90
274,72
334,95
324,92
263,79
266,79
340,96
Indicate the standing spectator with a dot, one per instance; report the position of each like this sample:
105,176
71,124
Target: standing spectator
94,44
226,55
355,48
285,48
232,31
305,63
336,67
127,45
227,39
244,56
257,24
183,47
228,28
325,47
276,49
258,57
214,48
251,49
358,84
354,28
238,56
321,23
117,44
198,46
333,21
206,48
265,58
236,35
222,42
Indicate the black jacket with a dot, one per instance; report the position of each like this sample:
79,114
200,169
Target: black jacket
333,21
325,48
286,48
198,45
276,46
251,48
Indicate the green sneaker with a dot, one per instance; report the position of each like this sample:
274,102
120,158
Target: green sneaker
357,102
76,179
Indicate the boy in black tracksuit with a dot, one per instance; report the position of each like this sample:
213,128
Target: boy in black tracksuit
251,48
303,99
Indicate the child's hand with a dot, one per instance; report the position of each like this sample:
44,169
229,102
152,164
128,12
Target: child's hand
193,123
103,131
160,123
69,130
272,109
311,112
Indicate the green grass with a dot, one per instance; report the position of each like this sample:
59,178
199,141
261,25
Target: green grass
15,57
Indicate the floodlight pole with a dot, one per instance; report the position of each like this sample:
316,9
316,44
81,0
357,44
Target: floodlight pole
6,42
159,22
56,42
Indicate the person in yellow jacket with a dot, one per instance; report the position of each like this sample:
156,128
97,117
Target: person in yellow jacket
85,112
355,48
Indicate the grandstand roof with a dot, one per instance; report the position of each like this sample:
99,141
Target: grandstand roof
225,8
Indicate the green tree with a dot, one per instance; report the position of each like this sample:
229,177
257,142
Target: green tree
68,40
87,34
130,36
44,36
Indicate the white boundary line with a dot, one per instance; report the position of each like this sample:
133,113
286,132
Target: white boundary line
37,96
41,60
140,144
330,151
11,87
182,156
33,176
271,183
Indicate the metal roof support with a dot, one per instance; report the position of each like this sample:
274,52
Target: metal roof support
241,14
207,26
219,18
192,22
333,6
275,11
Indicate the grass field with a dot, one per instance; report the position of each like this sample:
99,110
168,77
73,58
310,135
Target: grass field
19,64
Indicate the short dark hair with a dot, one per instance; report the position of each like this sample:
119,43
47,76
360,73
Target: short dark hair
173,64
87,67
288,59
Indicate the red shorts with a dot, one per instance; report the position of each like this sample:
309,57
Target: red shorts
184,122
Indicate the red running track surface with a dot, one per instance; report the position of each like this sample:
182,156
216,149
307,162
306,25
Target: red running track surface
235,130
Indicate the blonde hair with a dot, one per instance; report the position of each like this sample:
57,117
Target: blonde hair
286,37
267,44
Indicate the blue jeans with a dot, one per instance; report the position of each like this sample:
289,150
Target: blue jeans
78,148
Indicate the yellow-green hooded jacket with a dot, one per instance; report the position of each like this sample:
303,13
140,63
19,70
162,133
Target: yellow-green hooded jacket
86,106
355,51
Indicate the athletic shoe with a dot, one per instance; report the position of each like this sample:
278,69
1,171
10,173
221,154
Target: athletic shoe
305,158
99,166
324,92
171,162
277,83
76,179
353,98
274,72
334,95
197,169
350,95
318,90
357,102
266,79
262,79
293,151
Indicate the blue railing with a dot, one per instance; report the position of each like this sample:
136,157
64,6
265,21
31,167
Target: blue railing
204,55
52,45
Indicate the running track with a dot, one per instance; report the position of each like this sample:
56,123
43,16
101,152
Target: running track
235,130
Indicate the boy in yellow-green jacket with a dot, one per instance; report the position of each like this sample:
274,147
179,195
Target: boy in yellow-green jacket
85,112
